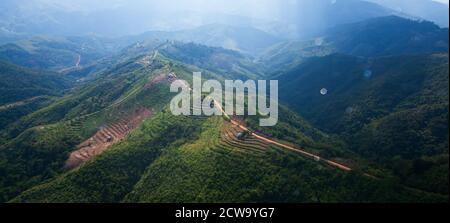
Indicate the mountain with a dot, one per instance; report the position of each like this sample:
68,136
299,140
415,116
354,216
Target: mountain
64,18
362,116
426,9
292,20
24,19
244,39
57,54
76,117
157,165
311,17
286,55
23,91
122,144
391,110
382,36
389,36
141,81
19,83
7,36
72,54
228,63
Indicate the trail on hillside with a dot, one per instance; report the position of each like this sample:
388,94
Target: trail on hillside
282,145
20,103
77,64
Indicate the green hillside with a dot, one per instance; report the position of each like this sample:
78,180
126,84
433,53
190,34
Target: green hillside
57,54
181,159
389,36
229,64
382,36
155,164
42,140
19,83
243,39
383,120
23,91
392,110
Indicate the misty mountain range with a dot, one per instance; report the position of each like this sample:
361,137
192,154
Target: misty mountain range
22,19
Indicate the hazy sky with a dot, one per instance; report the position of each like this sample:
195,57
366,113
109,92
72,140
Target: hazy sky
194,5
442,1
229,5
252,8
136,16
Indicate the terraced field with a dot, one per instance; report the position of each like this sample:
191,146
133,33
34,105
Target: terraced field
235,142
106,136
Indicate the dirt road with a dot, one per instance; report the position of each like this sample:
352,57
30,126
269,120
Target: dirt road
282,145
77,64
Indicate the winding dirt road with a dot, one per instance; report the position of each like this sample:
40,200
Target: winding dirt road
77,64
282,145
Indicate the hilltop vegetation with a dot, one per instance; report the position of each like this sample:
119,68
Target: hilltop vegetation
42,140
243,39
193,159
155,164
111,176
84,109
391,110
383,36
230,64
363,107
388,36
17,83
57,54
23,91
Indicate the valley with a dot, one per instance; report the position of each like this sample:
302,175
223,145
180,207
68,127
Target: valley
362,109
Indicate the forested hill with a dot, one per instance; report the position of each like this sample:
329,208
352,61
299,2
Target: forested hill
391,109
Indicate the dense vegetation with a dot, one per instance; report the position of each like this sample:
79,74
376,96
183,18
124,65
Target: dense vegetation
393,110
12,112
230,64
155,164
385,117
37,145
23,91
383,36
389,36
55,54
243,39
111,176
17,83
